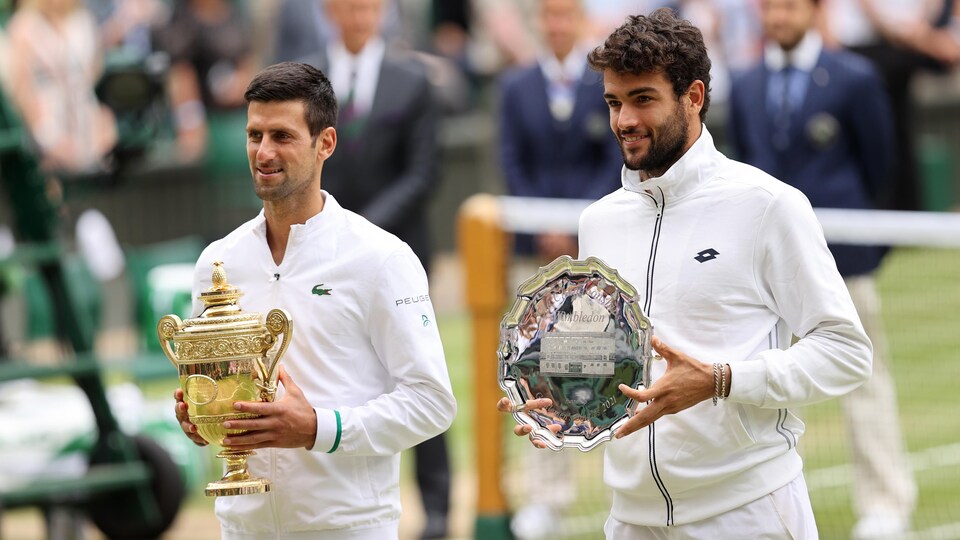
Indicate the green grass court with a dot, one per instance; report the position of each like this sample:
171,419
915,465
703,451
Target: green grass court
921,307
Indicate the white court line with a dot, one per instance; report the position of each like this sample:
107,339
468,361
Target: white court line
930,458
840,475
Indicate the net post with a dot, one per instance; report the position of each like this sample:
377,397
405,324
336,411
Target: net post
483,248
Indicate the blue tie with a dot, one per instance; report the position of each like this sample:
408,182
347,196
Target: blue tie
782,105
784,89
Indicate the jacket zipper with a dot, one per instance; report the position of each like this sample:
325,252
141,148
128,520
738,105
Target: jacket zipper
274,293
651,263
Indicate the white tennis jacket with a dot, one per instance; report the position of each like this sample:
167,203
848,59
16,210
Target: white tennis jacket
364,343
728,262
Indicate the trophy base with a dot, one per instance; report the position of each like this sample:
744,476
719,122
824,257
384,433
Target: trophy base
250,486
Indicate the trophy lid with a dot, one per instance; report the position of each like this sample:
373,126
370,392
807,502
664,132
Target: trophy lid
223,332
221,304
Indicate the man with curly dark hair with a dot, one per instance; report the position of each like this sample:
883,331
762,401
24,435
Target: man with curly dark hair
730,263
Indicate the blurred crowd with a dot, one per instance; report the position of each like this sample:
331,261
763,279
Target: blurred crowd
53,51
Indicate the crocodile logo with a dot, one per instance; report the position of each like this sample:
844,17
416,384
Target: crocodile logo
319,290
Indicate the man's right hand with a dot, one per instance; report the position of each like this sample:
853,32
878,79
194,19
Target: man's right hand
180,408
526,430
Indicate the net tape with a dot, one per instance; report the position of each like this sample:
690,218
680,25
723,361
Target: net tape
532,215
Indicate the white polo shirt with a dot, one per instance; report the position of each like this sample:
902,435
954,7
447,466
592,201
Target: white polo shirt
365,344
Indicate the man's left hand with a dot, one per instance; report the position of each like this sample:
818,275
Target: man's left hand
289,422
686,382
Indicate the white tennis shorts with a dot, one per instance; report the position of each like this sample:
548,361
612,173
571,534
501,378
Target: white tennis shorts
785,514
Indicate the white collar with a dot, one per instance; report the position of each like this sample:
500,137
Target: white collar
696,166
803,57
372,51
325,221
367,65
571,69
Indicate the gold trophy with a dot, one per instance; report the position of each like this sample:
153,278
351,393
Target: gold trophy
221,357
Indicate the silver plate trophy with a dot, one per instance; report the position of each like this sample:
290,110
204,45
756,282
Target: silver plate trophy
574,334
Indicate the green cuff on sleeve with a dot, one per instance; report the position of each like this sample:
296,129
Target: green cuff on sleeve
329,430
336,442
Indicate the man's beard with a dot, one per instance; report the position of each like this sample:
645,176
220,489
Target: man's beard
291,186
664,150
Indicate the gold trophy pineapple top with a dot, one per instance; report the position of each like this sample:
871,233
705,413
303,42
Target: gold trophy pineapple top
221,300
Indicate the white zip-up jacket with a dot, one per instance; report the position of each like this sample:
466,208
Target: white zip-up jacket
364,343
729,262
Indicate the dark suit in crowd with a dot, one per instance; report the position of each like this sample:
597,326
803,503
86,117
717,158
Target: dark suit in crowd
836,145
546,156
386,169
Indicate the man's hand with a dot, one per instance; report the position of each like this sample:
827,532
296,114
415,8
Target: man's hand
523,430
289,422
180,408
686,382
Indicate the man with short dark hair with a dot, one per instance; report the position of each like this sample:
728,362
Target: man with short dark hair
369,367
729,263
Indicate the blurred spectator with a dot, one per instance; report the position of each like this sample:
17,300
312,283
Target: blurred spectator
554,135
606,15
900,37
385,168
504,27
457,76
128,24
739,33
510,25
211,64
730,30
705,15
732,34
819,120
451,26
304,28
729,27
555,142
53,61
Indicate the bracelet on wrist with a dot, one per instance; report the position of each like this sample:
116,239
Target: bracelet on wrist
723,380
716,383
